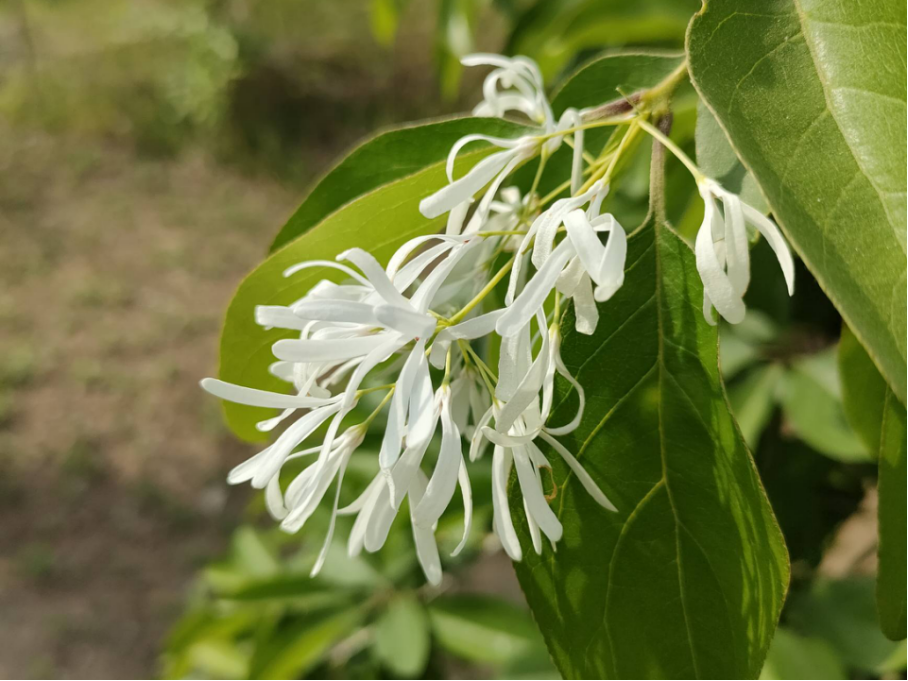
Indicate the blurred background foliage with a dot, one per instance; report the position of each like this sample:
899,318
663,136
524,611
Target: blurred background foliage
174,136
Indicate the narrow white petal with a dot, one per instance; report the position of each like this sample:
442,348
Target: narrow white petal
274,499
715,281
456,217
296,433
424,537
335,350
357,505
581,395
397,410
471,329
444,479
259,398
380,521
335,311
376,275
771,233
502,142
529,387
464,188
408,323
533,526
535,292
504,526
278,317
423,415
323,554
737,251
506,439
531,488
477,442
582,476
467,491
586,314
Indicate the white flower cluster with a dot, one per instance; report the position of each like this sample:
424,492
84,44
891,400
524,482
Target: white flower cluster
425,310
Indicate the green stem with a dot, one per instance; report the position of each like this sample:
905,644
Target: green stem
674,148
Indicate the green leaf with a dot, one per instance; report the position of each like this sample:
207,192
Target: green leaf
610,76
378,222
800,657
717,159
812,405
752,400
482,629
387,157
842,613
879,420
687,579
554,31
251,554
812,96
402,637
299,647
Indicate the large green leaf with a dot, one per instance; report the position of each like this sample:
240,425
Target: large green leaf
378,222
879,420
812,96
687,579
387,157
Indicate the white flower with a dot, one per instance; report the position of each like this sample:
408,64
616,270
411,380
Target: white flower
578,262
722,251
523,91
522,88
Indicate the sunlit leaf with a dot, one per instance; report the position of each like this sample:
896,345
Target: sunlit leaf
812,96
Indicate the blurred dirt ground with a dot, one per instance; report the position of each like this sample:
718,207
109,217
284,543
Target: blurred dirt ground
114,272
122,238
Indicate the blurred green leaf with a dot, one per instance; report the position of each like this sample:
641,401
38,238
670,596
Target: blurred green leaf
300,646
383,159
796,84
879,418
799,657
378,222
688,577
864,391
385,16
719,161
752,400
218,659
812,405
253,557
740,344
402,636
453,40
843,613
482,628
554,31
